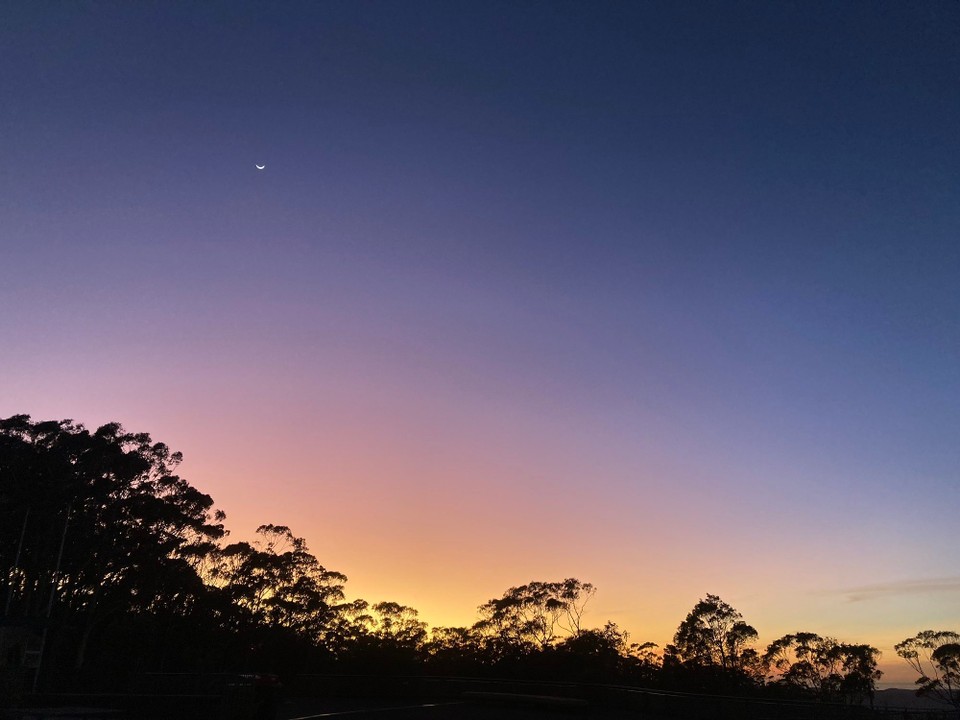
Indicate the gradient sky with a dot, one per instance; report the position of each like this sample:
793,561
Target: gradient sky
660,295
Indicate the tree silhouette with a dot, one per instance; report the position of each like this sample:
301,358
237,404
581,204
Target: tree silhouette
532,616
604,655
386,637
279,582
823,667
398,624
935,655
710,648
101,541
713,633
454,650
108,527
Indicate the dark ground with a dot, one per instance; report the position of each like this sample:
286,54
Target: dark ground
466,700
467,709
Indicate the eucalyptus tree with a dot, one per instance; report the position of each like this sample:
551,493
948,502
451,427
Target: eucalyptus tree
935,656
534,616
823,667
454,650
105,527
385,637
398,625
711,650
606,655
349,628
644,662
714,633
279,583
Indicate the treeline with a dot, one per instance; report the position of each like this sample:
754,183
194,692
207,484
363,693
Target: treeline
111,564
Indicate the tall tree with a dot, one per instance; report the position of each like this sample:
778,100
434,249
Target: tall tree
935,656
386,637
535,615
108,527
714,633
823,667
711,650
605,655
453,650
279,582
398,625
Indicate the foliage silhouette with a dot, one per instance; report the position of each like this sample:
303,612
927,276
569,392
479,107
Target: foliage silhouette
711,650
599,655
130,529
278,582
935,655
388,638
823,667
532,617
124,568
455,651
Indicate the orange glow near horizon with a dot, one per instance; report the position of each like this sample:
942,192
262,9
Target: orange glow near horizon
415,516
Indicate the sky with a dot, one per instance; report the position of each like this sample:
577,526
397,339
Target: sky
658,295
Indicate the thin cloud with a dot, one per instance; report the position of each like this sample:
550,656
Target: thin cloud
903,587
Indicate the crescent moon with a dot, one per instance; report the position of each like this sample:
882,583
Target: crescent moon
260,167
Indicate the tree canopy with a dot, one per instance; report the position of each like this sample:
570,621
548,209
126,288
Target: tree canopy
711,648
535,615
935,656
823,667
101,542
100,521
